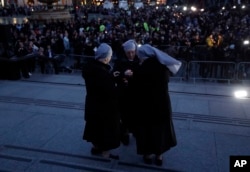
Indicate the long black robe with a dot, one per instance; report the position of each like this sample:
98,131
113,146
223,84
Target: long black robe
154,126
101,109
126,89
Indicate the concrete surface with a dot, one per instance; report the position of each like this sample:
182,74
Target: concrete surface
41,126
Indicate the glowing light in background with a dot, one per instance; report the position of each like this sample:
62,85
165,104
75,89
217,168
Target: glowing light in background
14,20
246,42
193,8
240,94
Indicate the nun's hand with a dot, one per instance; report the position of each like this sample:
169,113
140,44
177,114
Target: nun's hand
128,72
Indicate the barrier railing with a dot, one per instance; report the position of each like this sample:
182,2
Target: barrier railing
211,70
75,61
182,73
243,71
192,70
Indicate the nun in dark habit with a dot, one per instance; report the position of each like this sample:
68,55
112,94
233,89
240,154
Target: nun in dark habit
102,115
124,69
154,131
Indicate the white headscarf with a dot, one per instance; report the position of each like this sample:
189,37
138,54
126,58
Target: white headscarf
129,45
103,51
145,51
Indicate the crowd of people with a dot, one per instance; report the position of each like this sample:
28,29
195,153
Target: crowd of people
215,34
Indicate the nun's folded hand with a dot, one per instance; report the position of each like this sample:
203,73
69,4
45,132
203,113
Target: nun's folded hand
128,72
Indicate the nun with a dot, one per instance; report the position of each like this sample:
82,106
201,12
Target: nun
102,127
124,69
154,132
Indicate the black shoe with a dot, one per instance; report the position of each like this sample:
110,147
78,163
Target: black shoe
147,160
158,162
125,139
96,151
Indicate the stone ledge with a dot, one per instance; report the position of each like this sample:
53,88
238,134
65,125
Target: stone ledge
50,15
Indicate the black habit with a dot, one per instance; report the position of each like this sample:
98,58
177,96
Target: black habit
155,131
101,109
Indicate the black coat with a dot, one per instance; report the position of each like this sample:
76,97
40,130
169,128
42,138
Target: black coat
126,88
154,131
101,109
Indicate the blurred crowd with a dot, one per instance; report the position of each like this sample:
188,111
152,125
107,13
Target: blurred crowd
215,34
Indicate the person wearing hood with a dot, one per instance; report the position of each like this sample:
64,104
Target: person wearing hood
154,131
102,115
124,69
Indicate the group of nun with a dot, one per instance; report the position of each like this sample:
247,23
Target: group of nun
130,99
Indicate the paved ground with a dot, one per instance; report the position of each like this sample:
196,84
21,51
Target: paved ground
41,125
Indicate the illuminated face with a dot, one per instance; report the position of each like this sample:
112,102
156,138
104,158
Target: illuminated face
130,54
109,59
106,60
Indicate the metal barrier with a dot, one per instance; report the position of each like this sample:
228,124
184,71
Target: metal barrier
182,73
212,70
75,61
243,71
192,70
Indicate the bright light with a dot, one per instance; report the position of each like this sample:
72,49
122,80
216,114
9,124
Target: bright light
193,8
234,7
246,42
185,8
14,21
223,8
243,6
25,20
202,10
240,94
139,45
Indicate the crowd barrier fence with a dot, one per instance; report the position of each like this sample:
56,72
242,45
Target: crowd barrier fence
243,71
194,70
190,70
212,71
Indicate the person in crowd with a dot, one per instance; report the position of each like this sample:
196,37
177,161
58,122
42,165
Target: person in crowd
124,69
154,130
78,49
89,47
32,51
58,44
52,58
42,59
214,42
66,43
102,115
22,51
